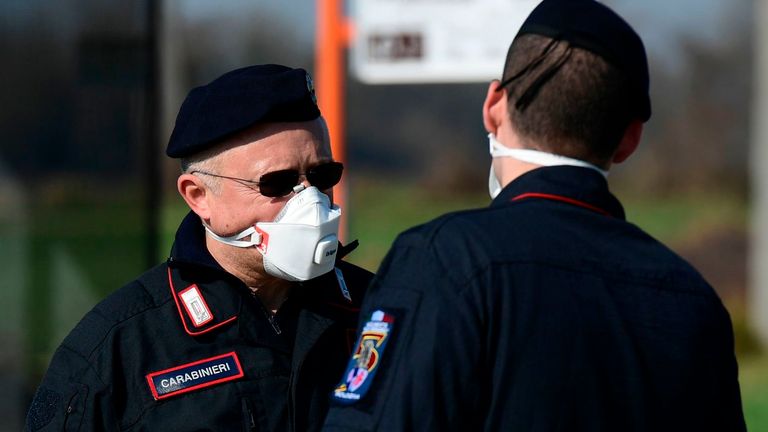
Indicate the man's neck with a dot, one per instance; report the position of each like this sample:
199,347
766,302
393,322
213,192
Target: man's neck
247,265
508,169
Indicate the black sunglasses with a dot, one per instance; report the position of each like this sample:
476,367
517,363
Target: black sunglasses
280,183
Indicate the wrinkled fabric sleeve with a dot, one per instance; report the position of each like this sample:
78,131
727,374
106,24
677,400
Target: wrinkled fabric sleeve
71,397
427,376
727,414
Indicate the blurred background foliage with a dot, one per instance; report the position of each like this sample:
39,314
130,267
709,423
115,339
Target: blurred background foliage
73,114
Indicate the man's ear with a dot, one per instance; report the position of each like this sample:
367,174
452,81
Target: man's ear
195,193
494,107
629,141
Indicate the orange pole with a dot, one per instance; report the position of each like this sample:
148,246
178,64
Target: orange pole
331,38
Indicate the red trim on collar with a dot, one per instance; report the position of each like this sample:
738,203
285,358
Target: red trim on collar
181,313
562,199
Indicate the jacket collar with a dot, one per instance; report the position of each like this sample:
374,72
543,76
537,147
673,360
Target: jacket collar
189,246
574,185
204,303
207,297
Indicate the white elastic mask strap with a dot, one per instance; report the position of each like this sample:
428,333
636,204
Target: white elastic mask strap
537,157
237,239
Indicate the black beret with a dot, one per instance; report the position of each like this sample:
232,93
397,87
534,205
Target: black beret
238,100
593,26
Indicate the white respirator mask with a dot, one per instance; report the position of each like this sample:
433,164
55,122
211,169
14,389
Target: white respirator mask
497,149
301,243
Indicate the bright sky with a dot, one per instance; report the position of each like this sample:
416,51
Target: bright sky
661,22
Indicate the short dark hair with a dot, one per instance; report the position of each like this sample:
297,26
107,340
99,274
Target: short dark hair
582,111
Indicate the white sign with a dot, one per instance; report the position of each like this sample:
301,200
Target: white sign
421,41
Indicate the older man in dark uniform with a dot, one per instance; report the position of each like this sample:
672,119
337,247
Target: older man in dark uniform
244,325
547,311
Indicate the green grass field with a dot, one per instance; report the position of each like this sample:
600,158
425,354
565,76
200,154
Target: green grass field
753,376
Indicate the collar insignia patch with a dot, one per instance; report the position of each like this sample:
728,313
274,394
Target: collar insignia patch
366,359
194,376
196,307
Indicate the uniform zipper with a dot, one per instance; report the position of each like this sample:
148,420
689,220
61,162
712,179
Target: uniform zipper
291,402
250,419
273,322
269,316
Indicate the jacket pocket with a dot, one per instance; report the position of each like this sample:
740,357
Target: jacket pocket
73,414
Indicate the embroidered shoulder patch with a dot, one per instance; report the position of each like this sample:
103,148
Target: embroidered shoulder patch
43,408
194,376
366,358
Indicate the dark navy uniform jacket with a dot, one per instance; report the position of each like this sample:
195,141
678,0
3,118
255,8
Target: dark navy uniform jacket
546,311
186,347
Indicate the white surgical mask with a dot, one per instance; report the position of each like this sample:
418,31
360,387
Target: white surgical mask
301,243
497,149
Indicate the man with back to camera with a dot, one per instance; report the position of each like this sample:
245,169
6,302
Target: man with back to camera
243,326
546,311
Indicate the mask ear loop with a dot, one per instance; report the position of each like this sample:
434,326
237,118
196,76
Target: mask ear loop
531,66
235,240
533,89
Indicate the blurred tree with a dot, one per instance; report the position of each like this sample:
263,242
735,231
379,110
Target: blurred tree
698,137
